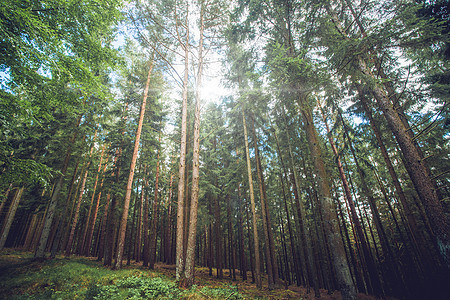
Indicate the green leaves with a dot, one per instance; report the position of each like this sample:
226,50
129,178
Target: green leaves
54,57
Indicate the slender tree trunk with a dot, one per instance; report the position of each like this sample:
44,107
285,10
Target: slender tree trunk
90,233
218,238
145,231
30,233
372,269
288,217
88,219
230,240
242,256
270,260
180,257
138,242
123,220
61,223
110,245
168,248
10,217
153,227
258,278
133,229
40,250
5,198
413,230
334,240
308,258
80,197
250,248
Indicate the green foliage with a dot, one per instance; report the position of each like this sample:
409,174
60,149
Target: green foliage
77,278
138,288
227,292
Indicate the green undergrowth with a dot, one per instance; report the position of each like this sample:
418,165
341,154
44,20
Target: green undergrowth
79,278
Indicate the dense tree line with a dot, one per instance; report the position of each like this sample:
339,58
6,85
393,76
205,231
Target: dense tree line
326,166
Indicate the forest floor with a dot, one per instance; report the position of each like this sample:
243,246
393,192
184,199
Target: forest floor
21,277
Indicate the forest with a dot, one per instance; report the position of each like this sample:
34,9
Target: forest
280,143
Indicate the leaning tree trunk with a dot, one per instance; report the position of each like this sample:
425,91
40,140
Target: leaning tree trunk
10,216
333,237
372,269
414,164
123,221
90,233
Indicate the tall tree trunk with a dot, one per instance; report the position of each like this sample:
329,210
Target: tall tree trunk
230,240
102,229
61,223
334,240
5,198
168,247
371,267
242,256
88,218
30,232
218,238
414,163
123,220
145,230
250,248
306,247
258,278
10,217
180,257
138,242
80,197
132,232
90,233
270,259
40,250
288,217
153,227
190,252
413,230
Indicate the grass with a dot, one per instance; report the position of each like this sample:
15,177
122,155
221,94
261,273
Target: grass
21,277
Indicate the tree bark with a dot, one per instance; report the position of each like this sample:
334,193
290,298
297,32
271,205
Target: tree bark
123,220
242,256
331,227
153,227
288,217
372,269
10,217
180,257
258,278
90,233
270,256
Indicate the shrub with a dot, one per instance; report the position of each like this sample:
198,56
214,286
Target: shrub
138,288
